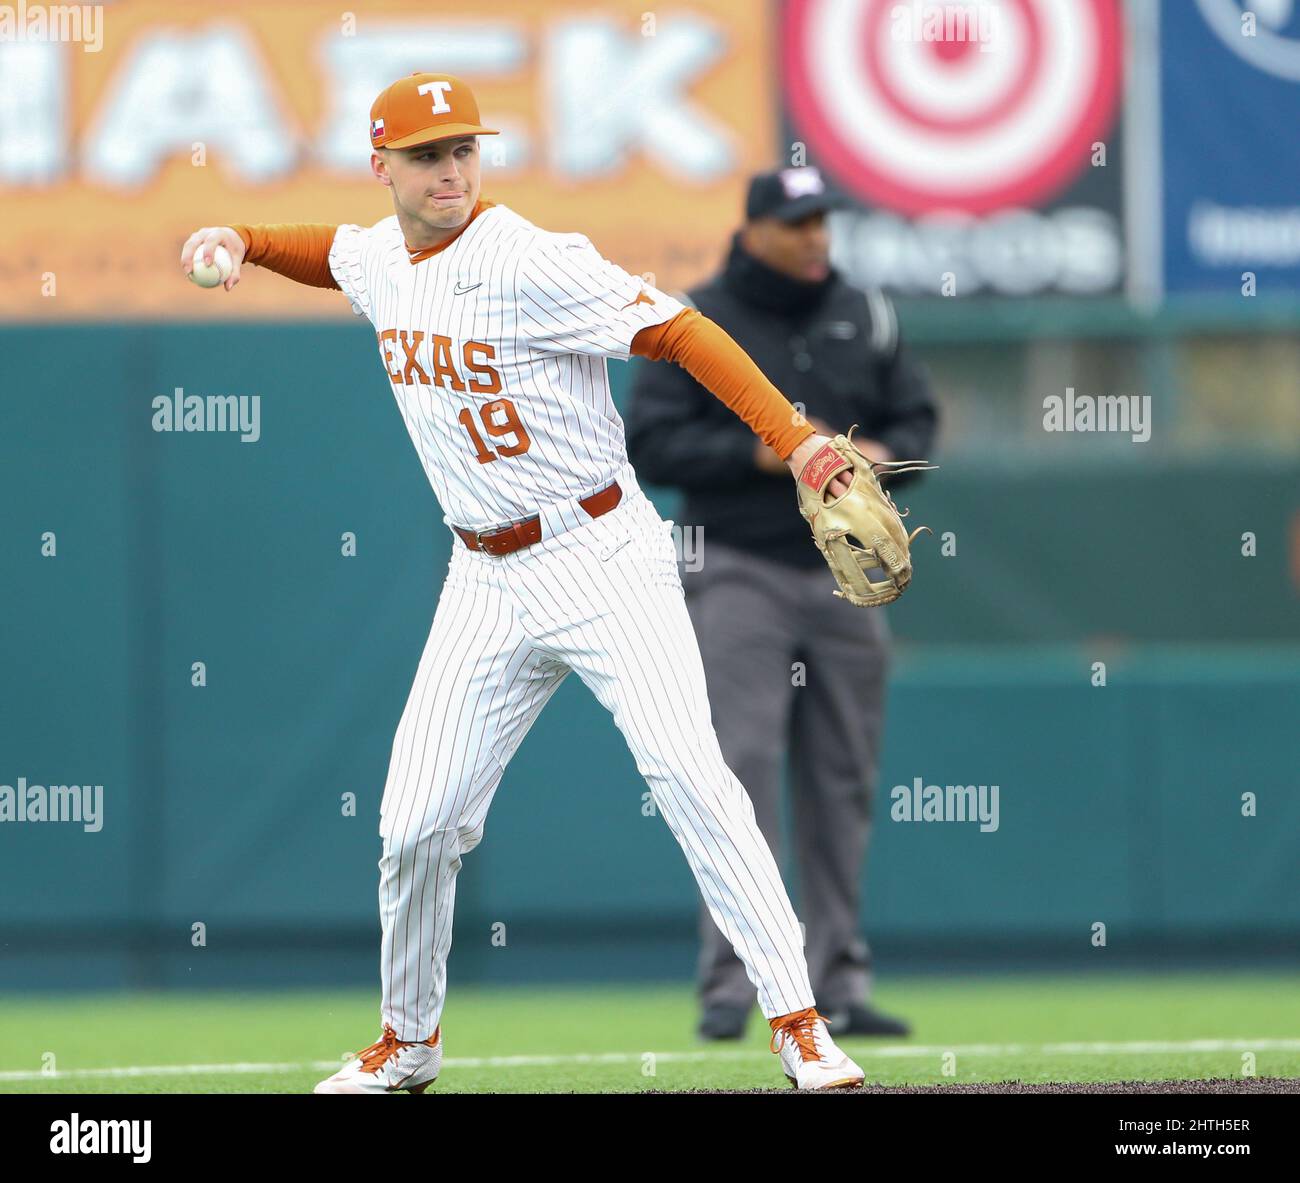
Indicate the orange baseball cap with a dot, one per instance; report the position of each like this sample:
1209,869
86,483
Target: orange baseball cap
424,108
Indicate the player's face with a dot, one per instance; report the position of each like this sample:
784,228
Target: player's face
801,250
437,184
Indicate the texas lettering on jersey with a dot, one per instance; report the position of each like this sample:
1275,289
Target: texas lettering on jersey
496,350
439,368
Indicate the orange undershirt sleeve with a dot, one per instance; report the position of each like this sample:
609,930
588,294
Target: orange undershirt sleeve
301,251
706,351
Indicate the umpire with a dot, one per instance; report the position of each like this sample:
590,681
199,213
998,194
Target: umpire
789,666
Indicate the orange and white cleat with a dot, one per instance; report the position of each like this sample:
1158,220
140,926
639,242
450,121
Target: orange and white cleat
809,1056
390,1065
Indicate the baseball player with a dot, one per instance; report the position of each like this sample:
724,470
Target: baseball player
494,335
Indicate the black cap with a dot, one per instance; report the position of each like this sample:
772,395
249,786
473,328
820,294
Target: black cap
790,194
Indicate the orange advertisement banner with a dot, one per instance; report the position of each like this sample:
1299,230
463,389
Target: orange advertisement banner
117,139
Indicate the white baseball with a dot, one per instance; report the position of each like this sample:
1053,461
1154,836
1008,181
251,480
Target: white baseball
209,275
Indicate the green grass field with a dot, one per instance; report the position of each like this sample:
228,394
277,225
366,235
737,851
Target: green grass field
614,1040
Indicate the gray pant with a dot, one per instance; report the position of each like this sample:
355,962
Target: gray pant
755,619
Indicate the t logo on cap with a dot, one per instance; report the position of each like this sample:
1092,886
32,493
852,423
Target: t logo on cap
440,104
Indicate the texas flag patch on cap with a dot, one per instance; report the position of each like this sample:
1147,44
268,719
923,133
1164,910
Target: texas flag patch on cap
376,129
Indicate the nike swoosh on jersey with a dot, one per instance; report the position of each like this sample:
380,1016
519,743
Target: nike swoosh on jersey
461,289
642,298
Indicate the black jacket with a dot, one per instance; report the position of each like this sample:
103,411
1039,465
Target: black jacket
828,346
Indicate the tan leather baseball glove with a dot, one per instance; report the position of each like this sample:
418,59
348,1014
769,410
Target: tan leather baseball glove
860,533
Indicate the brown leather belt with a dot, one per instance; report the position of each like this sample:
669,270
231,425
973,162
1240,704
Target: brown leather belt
517,535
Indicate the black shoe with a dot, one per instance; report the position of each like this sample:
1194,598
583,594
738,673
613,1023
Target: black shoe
723,1022
863,1019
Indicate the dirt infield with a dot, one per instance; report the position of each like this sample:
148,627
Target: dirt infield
1249,1084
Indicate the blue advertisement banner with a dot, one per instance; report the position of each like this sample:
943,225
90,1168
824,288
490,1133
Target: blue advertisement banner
1230,109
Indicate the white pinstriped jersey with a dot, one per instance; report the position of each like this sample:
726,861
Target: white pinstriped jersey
496,349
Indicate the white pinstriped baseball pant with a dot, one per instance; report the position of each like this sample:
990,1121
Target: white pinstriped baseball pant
605,600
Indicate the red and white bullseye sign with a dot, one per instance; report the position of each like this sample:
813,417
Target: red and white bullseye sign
925,106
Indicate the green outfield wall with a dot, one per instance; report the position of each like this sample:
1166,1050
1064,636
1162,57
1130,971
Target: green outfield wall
225,805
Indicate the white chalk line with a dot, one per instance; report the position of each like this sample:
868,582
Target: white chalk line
892,1051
